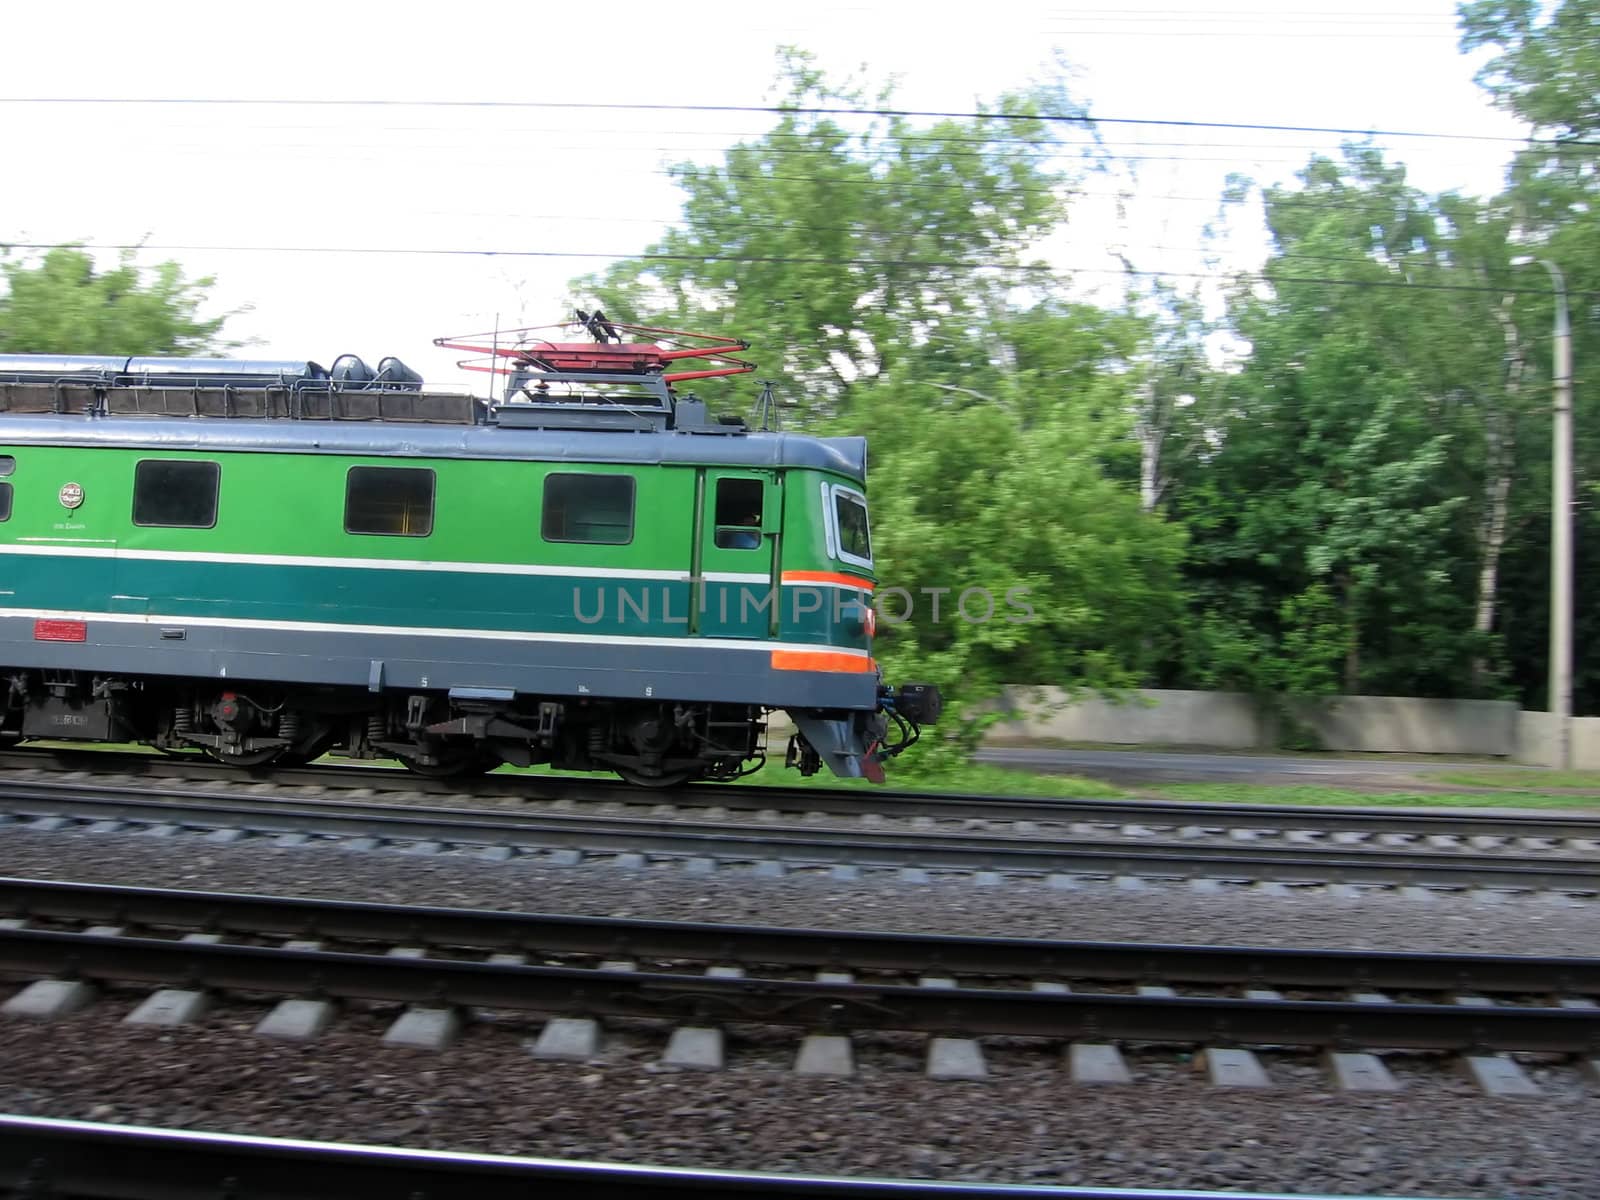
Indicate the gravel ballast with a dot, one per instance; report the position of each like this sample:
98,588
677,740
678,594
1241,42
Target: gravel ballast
1027,1123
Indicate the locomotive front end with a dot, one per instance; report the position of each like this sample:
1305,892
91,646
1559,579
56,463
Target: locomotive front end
829,576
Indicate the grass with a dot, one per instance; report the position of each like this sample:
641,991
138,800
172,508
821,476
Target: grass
1514,789
971,778
89,747
1520,780
974,777
1051,743
1313,796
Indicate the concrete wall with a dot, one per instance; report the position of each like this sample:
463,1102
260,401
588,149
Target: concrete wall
1536,741
1234,721
1223,720
1405,725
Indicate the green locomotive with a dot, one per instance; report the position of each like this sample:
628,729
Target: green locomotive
268,561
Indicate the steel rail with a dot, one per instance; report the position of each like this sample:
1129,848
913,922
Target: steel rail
829,949
840,1007
80,1160
852,803
799,845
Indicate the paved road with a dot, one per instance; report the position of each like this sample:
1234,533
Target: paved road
1171,766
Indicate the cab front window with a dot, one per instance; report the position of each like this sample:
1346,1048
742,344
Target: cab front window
852,540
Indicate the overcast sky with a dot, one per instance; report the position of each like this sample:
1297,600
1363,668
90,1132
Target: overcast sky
573,182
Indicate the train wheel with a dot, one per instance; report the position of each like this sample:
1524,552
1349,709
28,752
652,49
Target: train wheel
307,752
245,759
670,780
452,764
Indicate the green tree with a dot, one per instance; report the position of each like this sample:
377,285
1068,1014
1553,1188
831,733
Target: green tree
1367,439
851,242
996,504
1545,69
61,304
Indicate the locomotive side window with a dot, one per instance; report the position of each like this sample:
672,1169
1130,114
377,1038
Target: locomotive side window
738,514
5,501
392,501
7,464
850,521
180,495
588,508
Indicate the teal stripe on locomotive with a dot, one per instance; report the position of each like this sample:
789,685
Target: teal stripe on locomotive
419,599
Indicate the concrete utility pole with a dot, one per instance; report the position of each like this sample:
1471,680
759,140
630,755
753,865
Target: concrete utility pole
1560,526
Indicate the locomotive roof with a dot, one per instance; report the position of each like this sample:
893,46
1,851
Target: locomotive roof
843,455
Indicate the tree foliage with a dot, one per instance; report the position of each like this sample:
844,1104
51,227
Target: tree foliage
1023,558
1377,516
1349,477
851,242
1545,69
63,304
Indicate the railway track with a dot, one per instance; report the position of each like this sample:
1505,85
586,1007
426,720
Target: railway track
1552,832
825,982
549,788
79,1160
774,847
173,913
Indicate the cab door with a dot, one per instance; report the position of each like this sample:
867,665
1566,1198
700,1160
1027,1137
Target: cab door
740,521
